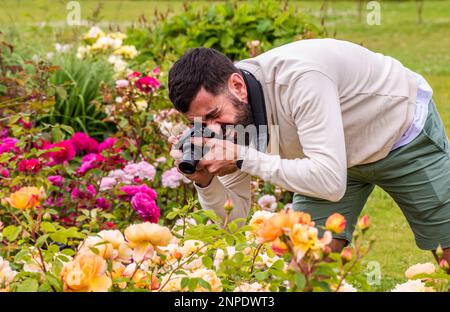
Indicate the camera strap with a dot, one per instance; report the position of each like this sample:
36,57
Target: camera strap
258,107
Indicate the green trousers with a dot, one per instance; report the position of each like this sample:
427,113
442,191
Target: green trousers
416,176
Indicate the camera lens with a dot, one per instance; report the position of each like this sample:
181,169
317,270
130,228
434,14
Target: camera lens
188,166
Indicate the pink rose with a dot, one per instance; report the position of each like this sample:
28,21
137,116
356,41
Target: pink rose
31,165
131,190
122,83
56,180
82,142
147,84
107,183
146,171
134,75
172,178
146,207
90,161
8,145
65,152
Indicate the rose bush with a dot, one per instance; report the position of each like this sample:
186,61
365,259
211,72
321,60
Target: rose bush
278,251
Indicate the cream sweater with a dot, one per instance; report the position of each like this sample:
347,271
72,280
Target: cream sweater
336,105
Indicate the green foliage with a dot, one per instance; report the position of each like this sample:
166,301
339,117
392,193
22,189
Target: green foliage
79,83
229,27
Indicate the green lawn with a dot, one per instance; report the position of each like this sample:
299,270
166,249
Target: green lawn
422,47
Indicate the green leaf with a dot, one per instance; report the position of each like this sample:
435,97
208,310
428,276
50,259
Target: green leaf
28,285
48,227
11,232
184,282
193,282
171,215
204,284
300,281
41,240
261,276
207,262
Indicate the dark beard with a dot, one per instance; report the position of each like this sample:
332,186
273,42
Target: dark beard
244,116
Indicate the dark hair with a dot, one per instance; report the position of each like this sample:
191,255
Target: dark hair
196,68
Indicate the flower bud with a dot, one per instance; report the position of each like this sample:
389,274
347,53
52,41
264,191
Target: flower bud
347,254
444,264
228,206
439,252
336,223
363,223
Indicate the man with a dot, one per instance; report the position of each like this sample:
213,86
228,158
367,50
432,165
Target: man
348,119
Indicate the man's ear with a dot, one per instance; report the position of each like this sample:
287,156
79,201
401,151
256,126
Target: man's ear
236,85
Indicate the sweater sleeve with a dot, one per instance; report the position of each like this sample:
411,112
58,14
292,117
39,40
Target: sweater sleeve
313,102
235,187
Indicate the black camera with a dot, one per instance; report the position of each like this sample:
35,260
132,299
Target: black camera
192,153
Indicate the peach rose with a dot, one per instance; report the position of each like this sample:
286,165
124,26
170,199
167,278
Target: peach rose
144,237
274,227
279,247
26,198
420,268
87,272
258,219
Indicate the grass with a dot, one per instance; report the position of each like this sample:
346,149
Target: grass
421,47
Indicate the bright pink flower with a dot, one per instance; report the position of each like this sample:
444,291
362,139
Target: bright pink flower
109,225
91,191
26,124
8,145
108,143
146,207
156,71
134,75
84,143
102,203
65,152
31,165
131,190
147,84
75,193
56,180
90,161
4,173
4,132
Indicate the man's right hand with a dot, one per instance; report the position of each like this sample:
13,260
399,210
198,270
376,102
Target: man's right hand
201,177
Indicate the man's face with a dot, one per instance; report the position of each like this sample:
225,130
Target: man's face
230,107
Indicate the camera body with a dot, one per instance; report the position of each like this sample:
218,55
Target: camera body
192,153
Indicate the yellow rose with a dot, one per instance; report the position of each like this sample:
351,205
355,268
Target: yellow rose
258,219
87,272
144,237
26,198
335,223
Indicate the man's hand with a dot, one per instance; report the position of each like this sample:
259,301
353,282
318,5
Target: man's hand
221,157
